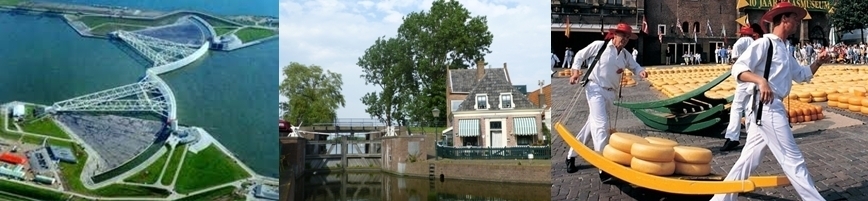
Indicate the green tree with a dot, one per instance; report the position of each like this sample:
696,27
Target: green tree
387,64
850,15
313,94
428,43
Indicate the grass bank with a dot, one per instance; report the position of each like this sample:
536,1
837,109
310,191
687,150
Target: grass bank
210,167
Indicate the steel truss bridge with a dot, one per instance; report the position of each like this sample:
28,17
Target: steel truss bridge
151,93
158,51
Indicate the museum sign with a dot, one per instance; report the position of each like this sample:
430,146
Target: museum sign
812,5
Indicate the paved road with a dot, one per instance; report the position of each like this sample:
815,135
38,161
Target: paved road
836,157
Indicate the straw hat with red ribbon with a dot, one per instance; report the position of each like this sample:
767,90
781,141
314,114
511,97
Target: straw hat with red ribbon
622,28
746,31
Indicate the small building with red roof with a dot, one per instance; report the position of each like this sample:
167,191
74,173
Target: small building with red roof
13,159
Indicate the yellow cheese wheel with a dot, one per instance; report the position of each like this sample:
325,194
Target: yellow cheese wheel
843,105
832,103
833,97
819,99
855,108
805,100
696,155
816,94
616,155
653,168
652,152
691,169
853,100
624,141
803,94
661,141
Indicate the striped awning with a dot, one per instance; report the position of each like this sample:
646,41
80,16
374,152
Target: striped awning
525,126
468,128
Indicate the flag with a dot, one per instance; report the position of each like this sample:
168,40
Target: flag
644,24
724,34
708,24
743,21
695,40
678,24
567,32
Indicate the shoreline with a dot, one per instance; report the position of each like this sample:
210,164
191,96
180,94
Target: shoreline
84,30
206,140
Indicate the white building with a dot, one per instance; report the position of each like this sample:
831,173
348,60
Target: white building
18,111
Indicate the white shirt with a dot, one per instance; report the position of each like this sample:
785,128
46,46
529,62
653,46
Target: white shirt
568,54
784,68
605,73
555,59
740,45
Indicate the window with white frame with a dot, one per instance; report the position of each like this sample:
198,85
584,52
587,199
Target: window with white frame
661,29
481,102
506,101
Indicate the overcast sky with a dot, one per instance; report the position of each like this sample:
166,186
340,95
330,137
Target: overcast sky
334,34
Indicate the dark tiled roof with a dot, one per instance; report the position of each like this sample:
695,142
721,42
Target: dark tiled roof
493,84
463,80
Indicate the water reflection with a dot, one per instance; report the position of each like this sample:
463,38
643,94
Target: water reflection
378,186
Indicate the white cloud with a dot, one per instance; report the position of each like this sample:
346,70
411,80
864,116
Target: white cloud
334,34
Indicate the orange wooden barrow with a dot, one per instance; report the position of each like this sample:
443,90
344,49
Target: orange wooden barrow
679,185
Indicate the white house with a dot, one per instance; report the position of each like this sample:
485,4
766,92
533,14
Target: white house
489,112
19,111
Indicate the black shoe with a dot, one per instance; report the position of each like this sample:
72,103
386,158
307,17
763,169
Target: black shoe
571,165
729,145
607,178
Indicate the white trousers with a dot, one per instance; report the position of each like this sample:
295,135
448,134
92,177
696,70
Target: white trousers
568,62
741,99
776,134
597,126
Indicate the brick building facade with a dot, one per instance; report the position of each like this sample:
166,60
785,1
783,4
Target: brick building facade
695,18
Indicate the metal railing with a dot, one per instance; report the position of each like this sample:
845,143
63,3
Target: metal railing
518,152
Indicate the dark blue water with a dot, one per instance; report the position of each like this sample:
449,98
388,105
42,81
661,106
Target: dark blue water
232,95
219,7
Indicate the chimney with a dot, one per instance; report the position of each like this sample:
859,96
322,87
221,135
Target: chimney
542,99
506,71
480,69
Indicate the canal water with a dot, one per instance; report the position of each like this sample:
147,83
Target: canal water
388,187
232,95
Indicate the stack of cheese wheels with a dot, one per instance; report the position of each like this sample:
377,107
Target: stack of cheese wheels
818,96
619,147
855,104
692,161
833,99
804,96
844,101
656,156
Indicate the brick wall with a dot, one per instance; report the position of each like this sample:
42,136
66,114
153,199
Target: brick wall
719,13
396,154
667,12
498,173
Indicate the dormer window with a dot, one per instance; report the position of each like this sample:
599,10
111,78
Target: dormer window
506,101
481,102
